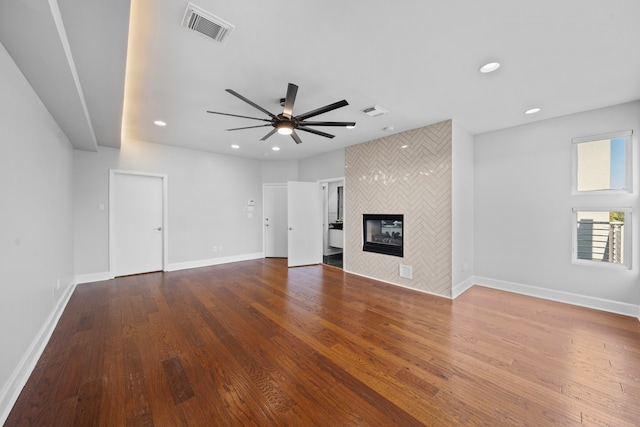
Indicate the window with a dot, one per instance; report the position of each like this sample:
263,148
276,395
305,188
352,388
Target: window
602,163
602,236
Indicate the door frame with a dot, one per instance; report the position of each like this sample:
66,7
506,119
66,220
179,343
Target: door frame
264,212
165,218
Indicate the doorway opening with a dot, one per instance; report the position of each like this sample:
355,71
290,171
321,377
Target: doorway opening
333,216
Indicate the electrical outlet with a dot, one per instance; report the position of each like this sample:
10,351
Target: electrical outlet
58,285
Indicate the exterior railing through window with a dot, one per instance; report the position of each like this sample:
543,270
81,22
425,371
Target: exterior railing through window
601,241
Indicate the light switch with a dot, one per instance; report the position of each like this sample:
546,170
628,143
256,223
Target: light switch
251,202
101,206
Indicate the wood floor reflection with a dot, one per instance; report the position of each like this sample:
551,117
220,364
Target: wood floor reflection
255,343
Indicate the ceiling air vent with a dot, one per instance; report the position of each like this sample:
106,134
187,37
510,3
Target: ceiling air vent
205,23
374,111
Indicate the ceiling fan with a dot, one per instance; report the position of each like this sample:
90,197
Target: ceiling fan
286,123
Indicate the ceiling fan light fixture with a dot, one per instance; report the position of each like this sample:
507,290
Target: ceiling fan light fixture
285,129
286,123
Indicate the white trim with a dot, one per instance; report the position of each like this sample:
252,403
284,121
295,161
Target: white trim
327,180
94,277
462,287
560,296
599,137
213,261
165,215
13,387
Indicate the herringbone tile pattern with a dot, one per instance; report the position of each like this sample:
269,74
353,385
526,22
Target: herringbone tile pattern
408,173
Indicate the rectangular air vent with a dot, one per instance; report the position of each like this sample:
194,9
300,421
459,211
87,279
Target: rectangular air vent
374,111
207,24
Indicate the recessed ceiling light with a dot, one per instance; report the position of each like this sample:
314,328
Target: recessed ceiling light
275,148
388,128
490,67
532,111
159,123
236,146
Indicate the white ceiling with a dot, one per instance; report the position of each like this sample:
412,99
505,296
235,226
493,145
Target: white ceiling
417,59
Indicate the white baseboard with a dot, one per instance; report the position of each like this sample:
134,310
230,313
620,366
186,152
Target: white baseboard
13,387
93,277
560,296
213,261
461,287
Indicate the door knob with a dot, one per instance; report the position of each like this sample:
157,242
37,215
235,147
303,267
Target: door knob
159,228
290,228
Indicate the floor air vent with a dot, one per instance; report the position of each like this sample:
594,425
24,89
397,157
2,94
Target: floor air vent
207,24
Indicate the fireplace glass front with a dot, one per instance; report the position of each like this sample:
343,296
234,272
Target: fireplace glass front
383,234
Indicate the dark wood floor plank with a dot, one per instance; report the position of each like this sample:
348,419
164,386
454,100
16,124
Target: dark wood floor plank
87,411
256,343
177,379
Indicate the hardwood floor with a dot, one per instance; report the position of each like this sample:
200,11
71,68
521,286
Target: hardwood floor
255,343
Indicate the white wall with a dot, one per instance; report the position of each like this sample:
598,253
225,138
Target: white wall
207,197
323,166
523,223
279,171
462,195
36,227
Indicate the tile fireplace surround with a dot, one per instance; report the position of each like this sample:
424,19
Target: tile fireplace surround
409,172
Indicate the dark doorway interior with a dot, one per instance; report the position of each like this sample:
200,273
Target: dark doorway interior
334,260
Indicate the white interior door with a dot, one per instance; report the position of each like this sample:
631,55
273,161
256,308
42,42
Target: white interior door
137,222
304,208
275,221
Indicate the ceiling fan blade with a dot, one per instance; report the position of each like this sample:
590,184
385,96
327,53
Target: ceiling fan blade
295,137
250,127
292,91
317,132
322,110
274,130
236,115
306,123
248,101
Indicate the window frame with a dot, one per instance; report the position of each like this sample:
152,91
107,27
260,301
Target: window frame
627,237
628,187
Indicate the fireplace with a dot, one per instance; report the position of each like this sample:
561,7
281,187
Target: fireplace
383,234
